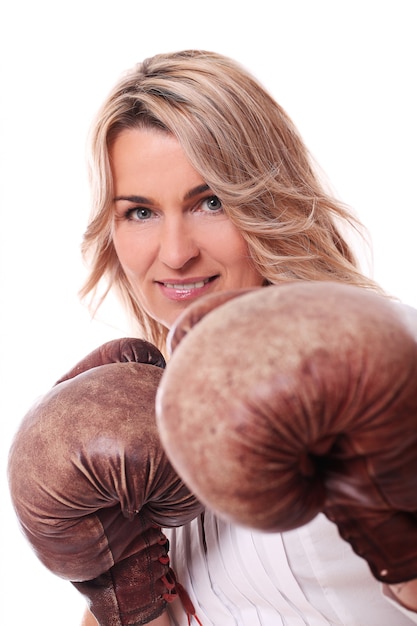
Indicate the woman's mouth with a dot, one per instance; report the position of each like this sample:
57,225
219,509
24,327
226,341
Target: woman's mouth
196,285
184,290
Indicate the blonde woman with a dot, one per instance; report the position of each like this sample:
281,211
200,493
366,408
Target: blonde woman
200,184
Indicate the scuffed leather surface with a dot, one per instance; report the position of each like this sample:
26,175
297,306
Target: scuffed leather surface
302,398
194,313
86,461
124,350
91,484
132,591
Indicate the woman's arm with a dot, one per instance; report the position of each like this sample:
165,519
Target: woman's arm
406,594
90,620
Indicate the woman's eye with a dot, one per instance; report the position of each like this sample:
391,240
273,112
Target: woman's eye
212,204
138,214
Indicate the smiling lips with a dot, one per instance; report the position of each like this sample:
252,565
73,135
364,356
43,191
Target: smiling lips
186,286
183,290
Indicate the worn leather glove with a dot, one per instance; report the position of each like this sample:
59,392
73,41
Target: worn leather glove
92,486
124,350
300,398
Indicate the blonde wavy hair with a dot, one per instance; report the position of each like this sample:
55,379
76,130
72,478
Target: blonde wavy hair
249,153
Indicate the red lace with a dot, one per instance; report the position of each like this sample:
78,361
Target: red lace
176,590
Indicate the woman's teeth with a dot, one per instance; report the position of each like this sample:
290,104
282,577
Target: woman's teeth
186,286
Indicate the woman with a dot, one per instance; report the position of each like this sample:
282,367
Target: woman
201,183
247,152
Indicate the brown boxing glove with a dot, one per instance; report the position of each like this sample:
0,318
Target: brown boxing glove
304,400
124,350
92,486
194,313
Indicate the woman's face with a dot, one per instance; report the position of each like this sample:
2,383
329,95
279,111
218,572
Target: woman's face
171,235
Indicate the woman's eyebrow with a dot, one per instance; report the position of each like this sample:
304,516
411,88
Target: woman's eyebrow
135,199
195,191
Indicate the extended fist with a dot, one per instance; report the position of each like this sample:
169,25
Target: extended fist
289,400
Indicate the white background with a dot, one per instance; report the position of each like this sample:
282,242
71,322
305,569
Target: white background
344,70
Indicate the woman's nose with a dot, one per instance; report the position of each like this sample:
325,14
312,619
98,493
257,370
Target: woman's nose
178,244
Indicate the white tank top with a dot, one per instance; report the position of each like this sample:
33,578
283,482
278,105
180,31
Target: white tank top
308,576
